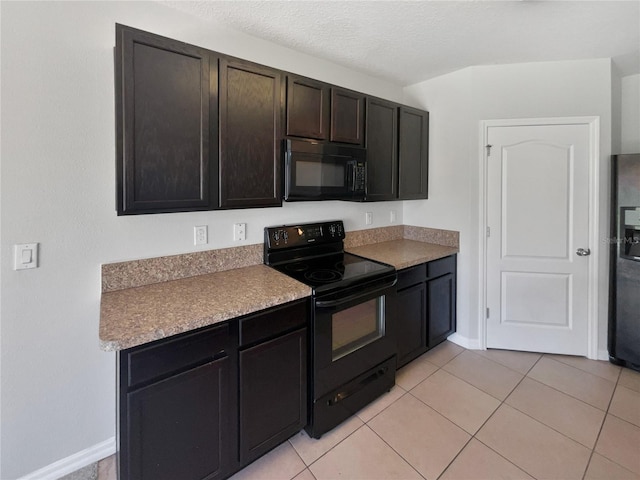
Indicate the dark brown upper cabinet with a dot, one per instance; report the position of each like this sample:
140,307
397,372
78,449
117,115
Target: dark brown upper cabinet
198,130
250,135
382,150
347,116
307,108
413,153
164,105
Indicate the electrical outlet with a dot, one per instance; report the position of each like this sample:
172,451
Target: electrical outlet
368,218
240,231
200,235
392,216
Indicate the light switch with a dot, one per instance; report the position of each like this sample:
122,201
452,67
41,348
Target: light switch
26,256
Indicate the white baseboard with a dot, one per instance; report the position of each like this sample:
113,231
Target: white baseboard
603,355
74,462
466,342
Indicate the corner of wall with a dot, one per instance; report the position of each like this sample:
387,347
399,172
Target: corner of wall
616,109
630,114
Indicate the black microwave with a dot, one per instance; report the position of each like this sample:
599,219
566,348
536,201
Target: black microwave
321,171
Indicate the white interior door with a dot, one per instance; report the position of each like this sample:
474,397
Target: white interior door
538,216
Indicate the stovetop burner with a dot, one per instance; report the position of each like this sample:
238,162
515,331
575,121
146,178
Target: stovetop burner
323,276
297,267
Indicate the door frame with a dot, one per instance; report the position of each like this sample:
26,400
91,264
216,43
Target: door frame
594,219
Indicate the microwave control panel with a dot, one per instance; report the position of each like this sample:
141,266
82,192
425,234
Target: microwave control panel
359,177
288,236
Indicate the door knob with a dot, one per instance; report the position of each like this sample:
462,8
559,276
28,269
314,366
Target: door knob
583,252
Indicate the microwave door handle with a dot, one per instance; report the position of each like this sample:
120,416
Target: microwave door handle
350,175
334,303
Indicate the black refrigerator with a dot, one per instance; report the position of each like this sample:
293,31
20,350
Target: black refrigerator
624,298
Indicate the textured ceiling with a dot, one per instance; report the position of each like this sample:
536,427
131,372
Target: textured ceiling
407,42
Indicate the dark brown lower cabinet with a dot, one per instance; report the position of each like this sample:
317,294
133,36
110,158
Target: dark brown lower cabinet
273,393
203,404
178,427
412,329
176,402
441,294
425,307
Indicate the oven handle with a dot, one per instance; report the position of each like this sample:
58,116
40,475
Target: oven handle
333,303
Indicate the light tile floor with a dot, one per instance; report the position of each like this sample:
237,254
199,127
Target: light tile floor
462,414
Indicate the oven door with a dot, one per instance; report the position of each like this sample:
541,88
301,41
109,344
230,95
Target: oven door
353,332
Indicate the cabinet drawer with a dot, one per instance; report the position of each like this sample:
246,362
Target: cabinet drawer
266,325
441,267
171,356
411,276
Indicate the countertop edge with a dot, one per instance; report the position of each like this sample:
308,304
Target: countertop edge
415,252
159,334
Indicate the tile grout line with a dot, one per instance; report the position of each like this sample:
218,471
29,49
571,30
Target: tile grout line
306,467
325,453
587,371
366,424
568,394
471,435
606,413
408,392
396,452
502,402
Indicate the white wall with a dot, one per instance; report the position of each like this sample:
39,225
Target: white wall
630,112
452,183
58,188
457,103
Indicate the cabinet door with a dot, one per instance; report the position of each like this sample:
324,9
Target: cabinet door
250,135
273,393
163,103
441,293
413,154
178,427
411,323
307,108
347,116
382,150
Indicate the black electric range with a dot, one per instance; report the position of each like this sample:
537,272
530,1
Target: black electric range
352,351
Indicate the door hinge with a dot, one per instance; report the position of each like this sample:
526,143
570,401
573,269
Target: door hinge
488,147
488,231
487,312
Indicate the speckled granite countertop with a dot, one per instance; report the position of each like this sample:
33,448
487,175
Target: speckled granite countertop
149,299
135,316
403,253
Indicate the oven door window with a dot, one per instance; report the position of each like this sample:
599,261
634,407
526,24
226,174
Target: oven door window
356,327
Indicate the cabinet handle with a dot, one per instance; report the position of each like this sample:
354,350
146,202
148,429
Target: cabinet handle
219,355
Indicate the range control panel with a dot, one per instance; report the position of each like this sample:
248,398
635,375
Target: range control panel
288,236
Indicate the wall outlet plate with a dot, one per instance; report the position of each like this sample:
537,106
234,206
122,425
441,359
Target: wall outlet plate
200,235
368,218
239,231
392,217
